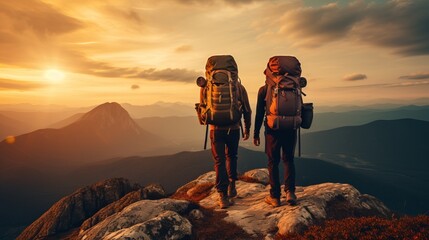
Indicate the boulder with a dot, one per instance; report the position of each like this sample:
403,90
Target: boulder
257,175
198,188
136,214
153,191
71,211
167,225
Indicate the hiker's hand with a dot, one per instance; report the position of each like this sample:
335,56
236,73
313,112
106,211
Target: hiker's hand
246,136
256,141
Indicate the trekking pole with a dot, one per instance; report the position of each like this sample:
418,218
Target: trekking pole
299,142
205,140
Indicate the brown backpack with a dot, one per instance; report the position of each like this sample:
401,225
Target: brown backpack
220,96
283,98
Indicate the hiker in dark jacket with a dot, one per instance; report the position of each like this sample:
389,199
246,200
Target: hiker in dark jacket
225,138
279,143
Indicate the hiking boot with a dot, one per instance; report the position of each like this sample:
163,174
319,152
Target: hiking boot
275,202
223,201
290,198
232,192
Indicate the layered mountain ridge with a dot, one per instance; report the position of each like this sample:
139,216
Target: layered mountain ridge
106,131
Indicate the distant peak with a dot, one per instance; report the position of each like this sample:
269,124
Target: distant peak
110,114
108,107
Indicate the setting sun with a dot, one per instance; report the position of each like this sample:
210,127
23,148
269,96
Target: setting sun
54,75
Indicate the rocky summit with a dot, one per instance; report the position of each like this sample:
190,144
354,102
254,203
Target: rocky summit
180,216
316,204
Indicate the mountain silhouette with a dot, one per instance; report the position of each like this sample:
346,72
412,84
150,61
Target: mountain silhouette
330,120
106,131
10,126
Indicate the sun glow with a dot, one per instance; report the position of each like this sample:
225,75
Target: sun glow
54,75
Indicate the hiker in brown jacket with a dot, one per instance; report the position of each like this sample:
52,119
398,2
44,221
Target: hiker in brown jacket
279,107
224,117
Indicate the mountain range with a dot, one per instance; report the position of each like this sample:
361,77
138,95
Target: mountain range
163,119
106,131
330,120
26,118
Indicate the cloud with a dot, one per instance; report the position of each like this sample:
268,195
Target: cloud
31,34
169,74
130,15
399,25
9,84
384,85
229,2
416,76
28,30
183,48
135,86
35,16
313,27
355,77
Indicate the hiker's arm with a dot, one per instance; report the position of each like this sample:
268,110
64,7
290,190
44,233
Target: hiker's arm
247,111
260,112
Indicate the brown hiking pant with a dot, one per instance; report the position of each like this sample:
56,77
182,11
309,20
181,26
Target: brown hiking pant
276,142
224,144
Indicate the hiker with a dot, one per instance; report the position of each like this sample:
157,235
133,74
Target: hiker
280,102
223,100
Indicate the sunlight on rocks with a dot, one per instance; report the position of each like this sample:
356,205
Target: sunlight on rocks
10,139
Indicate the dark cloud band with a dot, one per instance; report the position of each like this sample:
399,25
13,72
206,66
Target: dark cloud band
418,76
400,25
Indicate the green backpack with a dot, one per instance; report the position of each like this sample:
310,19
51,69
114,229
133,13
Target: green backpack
220,104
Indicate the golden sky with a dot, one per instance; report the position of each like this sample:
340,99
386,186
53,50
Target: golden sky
81,53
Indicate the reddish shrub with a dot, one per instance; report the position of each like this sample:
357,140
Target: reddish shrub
214,227
367,228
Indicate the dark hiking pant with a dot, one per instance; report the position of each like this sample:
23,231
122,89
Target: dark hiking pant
276,142
224,146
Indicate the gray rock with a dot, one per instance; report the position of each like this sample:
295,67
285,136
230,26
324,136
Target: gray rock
167,225
257,175
71,211
198,188
136,213
316,203
153,191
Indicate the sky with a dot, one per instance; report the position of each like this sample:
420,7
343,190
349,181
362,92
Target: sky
82,53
